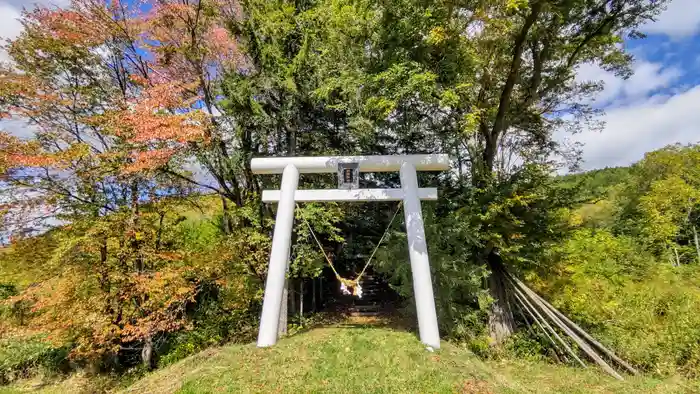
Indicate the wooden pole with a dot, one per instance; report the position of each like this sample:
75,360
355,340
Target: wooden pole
584,334
678,261
522,306
546,324
583,345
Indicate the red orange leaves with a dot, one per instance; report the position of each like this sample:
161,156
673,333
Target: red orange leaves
68,25
149,160
15,153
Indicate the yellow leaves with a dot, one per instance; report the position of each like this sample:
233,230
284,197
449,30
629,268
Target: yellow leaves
449,98
437,35
575,219
666,206
381,107
470,122
515,5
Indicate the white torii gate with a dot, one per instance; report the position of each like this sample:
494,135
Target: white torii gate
348,168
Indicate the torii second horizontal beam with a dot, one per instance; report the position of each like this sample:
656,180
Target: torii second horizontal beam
357,195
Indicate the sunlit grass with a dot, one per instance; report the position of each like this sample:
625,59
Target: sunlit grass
377,360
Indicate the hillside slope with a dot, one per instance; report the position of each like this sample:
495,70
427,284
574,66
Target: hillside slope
376,360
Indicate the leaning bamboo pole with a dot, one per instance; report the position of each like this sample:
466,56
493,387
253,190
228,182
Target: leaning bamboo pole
553,331
590,339
522,306
580,342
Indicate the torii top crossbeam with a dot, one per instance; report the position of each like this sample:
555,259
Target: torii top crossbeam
378,163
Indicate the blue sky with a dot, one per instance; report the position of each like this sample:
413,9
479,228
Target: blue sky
659,105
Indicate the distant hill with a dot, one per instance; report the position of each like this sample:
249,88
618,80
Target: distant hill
596,183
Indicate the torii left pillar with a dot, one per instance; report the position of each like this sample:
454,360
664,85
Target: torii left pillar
281,240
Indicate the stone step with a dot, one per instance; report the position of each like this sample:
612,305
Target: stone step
365,314
362,308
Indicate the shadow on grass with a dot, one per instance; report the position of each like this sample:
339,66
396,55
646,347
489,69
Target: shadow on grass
392,321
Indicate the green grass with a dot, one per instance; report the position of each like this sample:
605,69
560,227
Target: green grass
377,360
356,360
75,384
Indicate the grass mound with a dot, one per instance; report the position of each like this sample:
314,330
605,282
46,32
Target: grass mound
377,360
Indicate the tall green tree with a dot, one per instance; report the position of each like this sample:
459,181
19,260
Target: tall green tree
487,81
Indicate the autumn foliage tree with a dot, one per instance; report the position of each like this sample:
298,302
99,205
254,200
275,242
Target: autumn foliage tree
118,99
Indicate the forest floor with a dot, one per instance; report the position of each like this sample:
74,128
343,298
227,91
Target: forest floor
365,358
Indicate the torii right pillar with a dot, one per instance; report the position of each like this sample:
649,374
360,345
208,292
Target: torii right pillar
418,253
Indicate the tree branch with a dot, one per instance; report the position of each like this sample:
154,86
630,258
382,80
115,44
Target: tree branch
507,91
190,180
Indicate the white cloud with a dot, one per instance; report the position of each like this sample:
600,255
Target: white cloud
681,19
631,131
10,11
18,128
9,25
648,111
647,78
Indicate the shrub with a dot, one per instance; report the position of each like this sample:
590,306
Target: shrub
646,310
24,358
189,286
214,322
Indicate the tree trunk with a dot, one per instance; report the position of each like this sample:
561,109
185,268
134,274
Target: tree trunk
501,322
697,245
292,294
284,308
678,260
159,235
499,123
301,299
313,297
104,276
104,270
135,234
320,292
147,353
226,220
